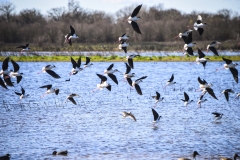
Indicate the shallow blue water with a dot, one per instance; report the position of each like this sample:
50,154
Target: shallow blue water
94,128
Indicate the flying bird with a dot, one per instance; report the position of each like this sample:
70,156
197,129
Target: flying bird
64,153
76,66
50,90
135,84
49,70
123,45
203,84
71,35
24,48
212,45
199,25
170,81
189,44
156,117
186,100
157,98
201,59
226,93
15,72
70,98
123,38
201,100
103,83
231,66
133,18
87,64
217,116
184,35
130,59
22,95
127,74
194,154
109,71
126,114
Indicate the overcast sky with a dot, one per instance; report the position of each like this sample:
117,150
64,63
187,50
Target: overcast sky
111,6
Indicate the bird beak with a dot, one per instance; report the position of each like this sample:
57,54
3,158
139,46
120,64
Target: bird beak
176,37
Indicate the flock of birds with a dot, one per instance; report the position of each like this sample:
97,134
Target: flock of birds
128,75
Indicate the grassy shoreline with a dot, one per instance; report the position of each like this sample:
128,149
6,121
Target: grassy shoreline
116,58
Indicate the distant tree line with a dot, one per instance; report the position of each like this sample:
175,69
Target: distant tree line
156,24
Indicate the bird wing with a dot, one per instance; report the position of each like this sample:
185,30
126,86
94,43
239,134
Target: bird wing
79,62
2,83
210,91
132,116
72,100
5,63
109,87
141,78
157,96
213,49
110,67
138,89
130,62
56,91
27,45
135,27
200,54
216,114
87,60
228,61
53,74
124,49
113,77
204,64
72,30
136,11
171,79
201,81
15,66
46,86
190,51
200,31
23,91
123,35
128,69
234,72
226,94
155,114
21,47
74,64
185,39
103,78
7,80
129,80
189,38
186,96
18,93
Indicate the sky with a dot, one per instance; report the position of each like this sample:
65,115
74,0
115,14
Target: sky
112,6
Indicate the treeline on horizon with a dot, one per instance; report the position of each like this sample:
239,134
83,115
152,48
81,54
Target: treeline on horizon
157,25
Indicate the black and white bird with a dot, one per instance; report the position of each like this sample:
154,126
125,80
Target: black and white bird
170,81
158,98
49,70
127,74
15,73
189,44
124,37
123,45
2,83
128,114
109,71
226,93
135,84
217,115
50,90
76,66
184,35
231,66
201,100
24,48
201,58
199,25
186,100
103,83
156,117
212,45
203,84
87,64
70,98
69,36
63,153
5,67
133,18
194,154
130,59
22,95
235,156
